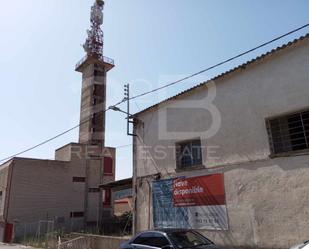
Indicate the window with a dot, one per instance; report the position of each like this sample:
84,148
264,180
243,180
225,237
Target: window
94,118
93,190
189,153
79,179
188,239
107,197
98,90
94,129
108,166
151,239
289,133
76,214
98,73
94,101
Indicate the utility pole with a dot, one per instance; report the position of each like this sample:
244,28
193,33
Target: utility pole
130,119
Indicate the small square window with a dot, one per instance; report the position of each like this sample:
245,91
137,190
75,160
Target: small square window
98,73
93,190
94,130
76,214
79,179
189,153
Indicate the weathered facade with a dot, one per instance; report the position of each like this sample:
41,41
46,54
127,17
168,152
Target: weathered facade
234,119
63,192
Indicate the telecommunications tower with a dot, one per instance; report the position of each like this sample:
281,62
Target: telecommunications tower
94,67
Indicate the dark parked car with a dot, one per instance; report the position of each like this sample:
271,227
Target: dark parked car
304,245
169,239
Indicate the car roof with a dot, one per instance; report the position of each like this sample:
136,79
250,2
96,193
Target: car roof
171,230
164,230
161,230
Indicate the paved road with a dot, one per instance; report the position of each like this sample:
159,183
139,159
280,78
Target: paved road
6,246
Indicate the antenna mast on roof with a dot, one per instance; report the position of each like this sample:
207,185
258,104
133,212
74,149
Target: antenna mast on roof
94,42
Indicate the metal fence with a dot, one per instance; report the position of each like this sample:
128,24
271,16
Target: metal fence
42,234
77,243
51,233
90,241
116,227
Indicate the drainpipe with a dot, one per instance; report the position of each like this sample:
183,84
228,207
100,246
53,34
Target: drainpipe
8,198
149,204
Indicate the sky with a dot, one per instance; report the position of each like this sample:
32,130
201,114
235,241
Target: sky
152,43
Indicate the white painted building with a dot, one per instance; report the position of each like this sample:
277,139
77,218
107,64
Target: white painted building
250,124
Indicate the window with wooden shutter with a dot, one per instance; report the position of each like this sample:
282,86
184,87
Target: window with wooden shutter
108,166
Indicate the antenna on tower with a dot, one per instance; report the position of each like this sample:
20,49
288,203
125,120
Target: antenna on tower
94,42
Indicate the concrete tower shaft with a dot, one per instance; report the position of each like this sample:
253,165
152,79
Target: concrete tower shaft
94,67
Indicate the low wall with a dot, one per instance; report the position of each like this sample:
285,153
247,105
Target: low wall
104,242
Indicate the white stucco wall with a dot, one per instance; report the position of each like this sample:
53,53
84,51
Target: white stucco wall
244,99
266,198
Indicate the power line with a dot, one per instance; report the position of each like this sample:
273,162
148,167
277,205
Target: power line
221,63
53,138
46,141
123,146
162,87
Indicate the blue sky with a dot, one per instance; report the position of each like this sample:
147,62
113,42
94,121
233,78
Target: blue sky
152,42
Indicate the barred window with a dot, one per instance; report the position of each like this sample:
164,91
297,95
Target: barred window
289,133
189,153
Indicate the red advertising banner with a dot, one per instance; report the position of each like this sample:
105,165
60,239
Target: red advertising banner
199,191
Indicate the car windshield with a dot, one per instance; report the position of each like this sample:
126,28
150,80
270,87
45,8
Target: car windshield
187,239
